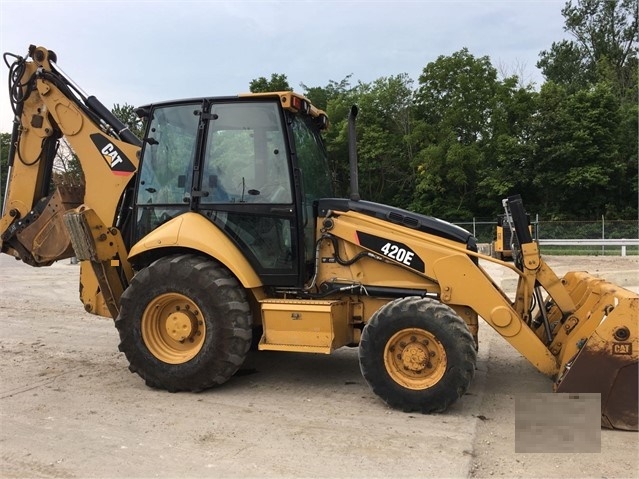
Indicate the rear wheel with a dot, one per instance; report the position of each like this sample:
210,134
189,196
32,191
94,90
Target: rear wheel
417,355
184,324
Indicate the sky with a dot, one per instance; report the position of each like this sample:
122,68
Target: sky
136,52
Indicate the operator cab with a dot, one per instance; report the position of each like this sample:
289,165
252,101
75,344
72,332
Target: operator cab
253,165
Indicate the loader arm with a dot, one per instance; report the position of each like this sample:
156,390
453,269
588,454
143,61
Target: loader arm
48,107
441,267
566,327
587,323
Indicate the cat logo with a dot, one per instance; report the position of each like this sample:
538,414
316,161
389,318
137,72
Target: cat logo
622,348
114,157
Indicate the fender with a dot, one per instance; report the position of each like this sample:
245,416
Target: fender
195,232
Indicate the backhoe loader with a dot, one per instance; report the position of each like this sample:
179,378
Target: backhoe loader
221,222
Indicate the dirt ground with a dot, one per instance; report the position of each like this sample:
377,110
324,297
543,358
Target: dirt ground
70,408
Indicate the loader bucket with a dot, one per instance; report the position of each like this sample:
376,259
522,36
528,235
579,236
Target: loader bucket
607,342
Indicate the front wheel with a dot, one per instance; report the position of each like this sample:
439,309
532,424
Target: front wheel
184,324
417,355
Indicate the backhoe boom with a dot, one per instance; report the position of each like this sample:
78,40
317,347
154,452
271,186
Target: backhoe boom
47,107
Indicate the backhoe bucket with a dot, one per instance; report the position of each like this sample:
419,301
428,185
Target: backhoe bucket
605,331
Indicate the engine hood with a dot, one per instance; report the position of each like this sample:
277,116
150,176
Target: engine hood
427,224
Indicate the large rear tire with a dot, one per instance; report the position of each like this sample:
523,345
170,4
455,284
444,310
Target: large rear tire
417,355
184,324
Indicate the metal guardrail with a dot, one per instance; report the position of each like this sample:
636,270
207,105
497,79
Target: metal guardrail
591,242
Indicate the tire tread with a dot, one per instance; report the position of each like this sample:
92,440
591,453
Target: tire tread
209,368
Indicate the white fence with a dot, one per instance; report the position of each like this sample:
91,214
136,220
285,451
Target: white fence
591,242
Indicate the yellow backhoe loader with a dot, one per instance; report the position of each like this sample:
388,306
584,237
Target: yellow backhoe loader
221,221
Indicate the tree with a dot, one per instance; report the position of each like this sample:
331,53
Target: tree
320,96
622,202
456,92
278,82
577,160
385,148
455,104
586,129
509,155
563,64
126,114
472,137
604,46
66,168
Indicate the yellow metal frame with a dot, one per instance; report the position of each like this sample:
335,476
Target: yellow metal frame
103,189
193,231
97,241
451,274
286,100
317,326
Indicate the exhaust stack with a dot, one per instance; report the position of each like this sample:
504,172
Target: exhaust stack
352,153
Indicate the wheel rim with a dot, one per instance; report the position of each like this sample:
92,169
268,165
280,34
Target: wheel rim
415,359
173,328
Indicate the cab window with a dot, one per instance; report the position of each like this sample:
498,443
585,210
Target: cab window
245,158
169,153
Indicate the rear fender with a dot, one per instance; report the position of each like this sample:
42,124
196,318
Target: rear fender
194,232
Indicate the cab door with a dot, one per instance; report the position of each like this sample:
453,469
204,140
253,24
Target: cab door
246,185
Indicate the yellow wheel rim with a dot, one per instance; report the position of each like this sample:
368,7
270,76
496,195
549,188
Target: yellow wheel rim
173,328
415,359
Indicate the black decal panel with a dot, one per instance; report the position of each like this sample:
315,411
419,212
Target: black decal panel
392,249
114,157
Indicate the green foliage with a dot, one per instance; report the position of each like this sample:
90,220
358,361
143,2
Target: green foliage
67,169
278,82
471,137
126,115
465,138
563,64
320,96
622,202
384,148
604,49
339,101
456,93
577,151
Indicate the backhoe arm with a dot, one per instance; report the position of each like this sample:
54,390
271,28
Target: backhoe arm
45,219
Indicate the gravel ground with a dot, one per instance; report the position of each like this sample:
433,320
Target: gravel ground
70,408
